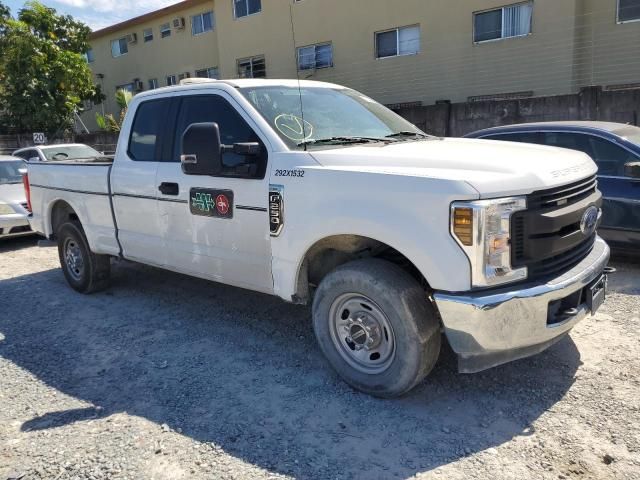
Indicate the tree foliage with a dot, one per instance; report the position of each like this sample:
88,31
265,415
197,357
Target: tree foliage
43,72
108,122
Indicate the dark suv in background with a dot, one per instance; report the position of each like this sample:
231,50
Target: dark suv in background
615,148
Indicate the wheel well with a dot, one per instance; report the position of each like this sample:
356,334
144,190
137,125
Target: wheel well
61,213
331,252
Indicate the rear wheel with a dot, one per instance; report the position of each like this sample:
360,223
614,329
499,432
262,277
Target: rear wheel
85,271
376,327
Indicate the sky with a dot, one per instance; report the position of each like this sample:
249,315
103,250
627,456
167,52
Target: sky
98,13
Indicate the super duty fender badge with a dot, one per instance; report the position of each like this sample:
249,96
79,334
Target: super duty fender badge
207,202
276,209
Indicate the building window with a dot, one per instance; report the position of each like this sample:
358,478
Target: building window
119,47
628,10
254,67
184,75
399,41
127,87
202,23
147,34
505,22
211,72
243,8
153,84
165,30
90,56
171,80
315,56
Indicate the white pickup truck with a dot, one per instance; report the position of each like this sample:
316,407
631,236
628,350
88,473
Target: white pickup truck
318,194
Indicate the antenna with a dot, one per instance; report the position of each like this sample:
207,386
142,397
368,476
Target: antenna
295,57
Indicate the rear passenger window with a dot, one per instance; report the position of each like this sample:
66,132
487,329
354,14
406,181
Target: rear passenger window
146,133
572,141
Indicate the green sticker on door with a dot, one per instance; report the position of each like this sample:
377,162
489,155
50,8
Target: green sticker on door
208,202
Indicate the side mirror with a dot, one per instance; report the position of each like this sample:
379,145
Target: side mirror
201,149
632,169
249,149
34,159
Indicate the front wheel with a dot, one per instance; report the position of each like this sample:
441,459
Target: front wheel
85,271
376,327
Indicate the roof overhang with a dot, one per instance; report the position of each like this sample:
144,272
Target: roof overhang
163,12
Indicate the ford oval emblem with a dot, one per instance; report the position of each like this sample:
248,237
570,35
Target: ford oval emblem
589,220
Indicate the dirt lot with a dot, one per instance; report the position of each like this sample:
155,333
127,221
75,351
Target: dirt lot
166,376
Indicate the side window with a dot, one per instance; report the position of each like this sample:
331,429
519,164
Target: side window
233,129
610,157
148,125
26,155
572,141
521,137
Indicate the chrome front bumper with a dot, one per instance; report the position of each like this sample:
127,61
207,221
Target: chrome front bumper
486,329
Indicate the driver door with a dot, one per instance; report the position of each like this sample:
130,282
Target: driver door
231,243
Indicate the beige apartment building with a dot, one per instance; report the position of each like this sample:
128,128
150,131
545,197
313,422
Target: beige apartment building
401,52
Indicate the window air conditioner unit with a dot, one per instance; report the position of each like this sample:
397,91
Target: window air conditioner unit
184,75
178,23
138,86
132,38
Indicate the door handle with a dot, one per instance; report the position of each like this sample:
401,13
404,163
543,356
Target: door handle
167,188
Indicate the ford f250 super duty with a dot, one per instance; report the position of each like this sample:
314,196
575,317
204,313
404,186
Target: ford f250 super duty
318,194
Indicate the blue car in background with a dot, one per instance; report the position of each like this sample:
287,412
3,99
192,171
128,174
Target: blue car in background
615,148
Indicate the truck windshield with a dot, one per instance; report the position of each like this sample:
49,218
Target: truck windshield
332,116
70,152
10,172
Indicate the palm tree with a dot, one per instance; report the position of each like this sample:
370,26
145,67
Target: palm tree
108,122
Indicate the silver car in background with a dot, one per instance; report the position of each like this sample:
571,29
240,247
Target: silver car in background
14,216
58,152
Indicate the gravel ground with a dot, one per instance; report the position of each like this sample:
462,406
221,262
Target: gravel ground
168,377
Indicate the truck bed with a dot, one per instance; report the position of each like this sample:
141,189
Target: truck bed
85,186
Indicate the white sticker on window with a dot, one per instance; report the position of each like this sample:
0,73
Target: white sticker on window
294,127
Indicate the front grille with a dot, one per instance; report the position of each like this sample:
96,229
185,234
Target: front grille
546,238
562,261
563,196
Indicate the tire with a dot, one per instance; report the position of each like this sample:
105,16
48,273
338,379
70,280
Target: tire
85,271
402,343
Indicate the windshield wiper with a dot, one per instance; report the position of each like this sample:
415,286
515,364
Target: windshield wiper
342,141
407,133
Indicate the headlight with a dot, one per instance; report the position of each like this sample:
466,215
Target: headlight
6,209
483,230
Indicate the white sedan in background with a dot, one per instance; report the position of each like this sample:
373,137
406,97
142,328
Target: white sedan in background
58,153
14,220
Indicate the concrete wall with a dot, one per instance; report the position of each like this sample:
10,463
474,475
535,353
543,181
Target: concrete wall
590,103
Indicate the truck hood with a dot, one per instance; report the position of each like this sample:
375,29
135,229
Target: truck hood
12,193
493,168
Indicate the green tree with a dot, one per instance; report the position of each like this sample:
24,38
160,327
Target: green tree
43,72
108,122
